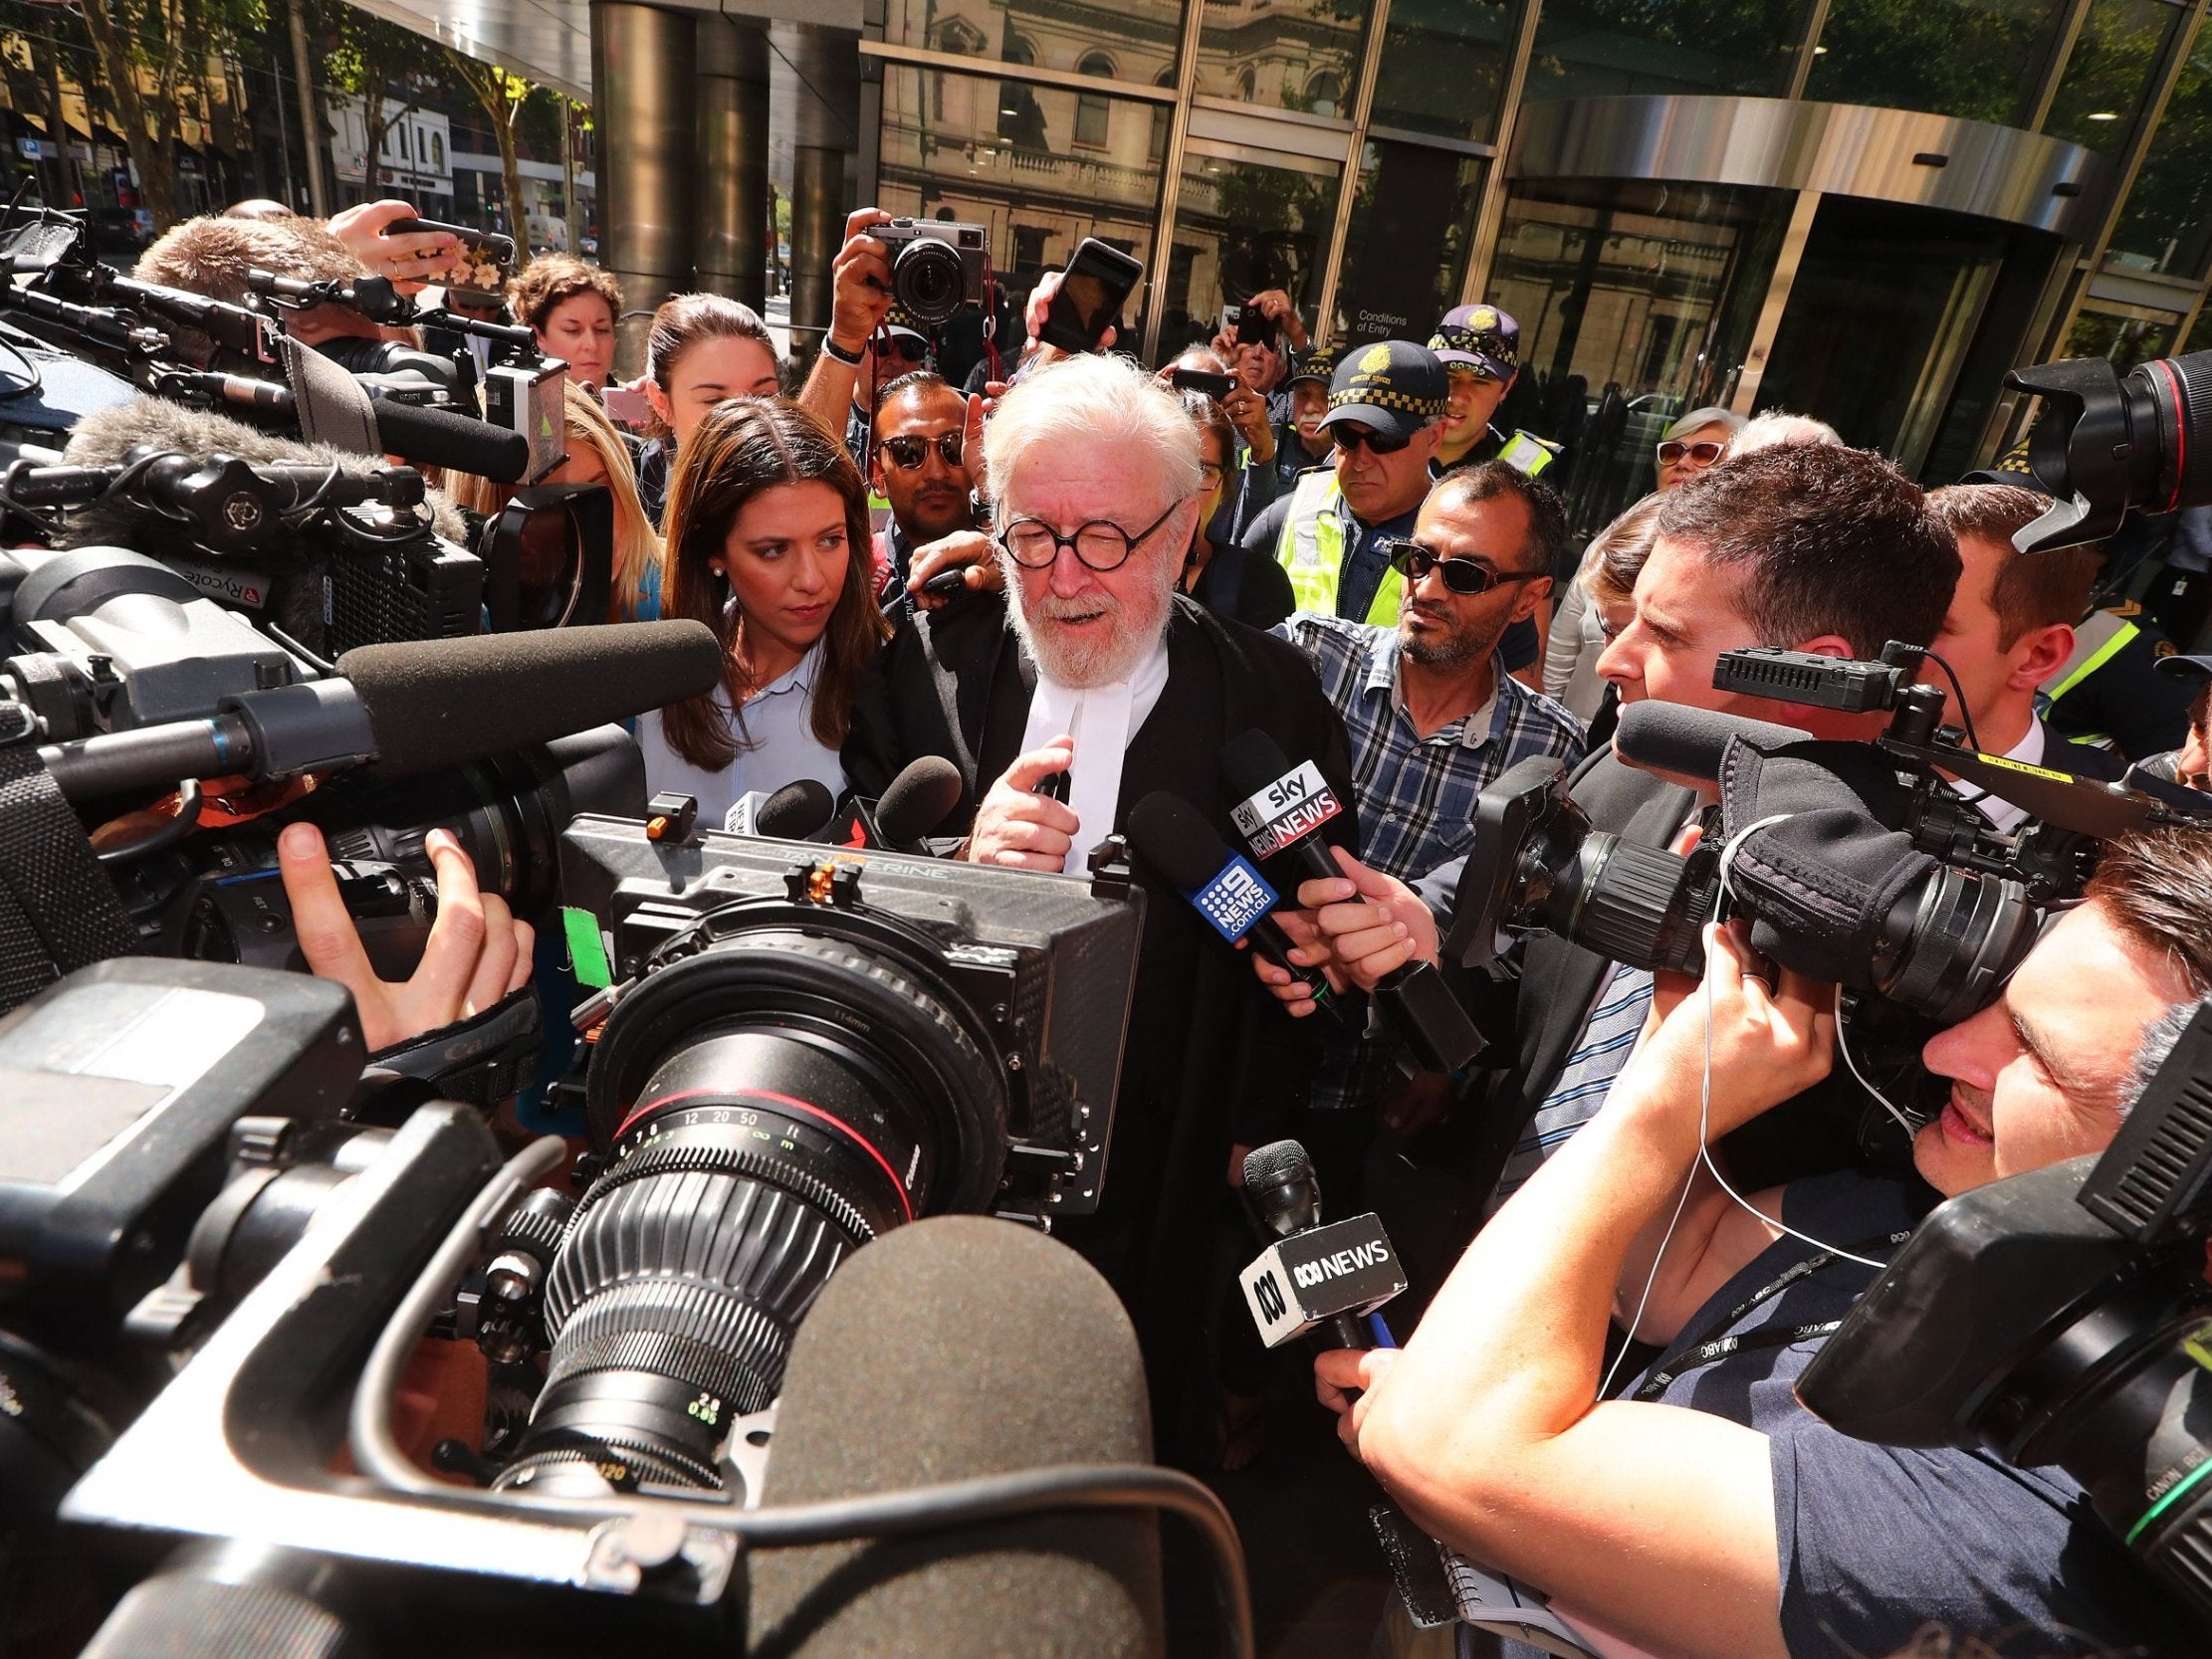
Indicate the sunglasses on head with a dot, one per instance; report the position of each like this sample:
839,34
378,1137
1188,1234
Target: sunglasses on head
1381,443
909,453
901,347
1463,575
1705,452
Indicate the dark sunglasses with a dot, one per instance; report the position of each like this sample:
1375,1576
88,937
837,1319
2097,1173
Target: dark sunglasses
1463,575
1705,452
909,453
898,346
1351,437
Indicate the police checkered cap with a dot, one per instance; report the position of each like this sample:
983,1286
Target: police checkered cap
1391,386
1484,338
1317,364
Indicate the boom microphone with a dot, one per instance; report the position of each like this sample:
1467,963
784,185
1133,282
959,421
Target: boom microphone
1168,834
1683,742
948,1350
417,706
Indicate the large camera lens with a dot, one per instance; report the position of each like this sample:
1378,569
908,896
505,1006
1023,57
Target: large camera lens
927,278
1640,906
804,1088
2108,445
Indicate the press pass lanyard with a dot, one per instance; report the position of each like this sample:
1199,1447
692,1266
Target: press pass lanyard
1715,1346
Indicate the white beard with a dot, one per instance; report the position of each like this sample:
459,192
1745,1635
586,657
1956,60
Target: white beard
1096,656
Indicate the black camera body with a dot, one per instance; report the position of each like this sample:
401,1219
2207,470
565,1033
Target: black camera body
935,267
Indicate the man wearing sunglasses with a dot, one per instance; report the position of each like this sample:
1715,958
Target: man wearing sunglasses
921,465
1694,442
1386,415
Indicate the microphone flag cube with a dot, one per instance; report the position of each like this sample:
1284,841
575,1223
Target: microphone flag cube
1288,809
1346,1267
1235,900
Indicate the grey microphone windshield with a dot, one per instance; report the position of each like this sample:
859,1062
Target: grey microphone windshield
918,799
948,1350
1689,742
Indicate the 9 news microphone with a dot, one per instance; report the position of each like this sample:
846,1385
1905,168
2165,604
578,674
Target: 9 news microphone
1171,835
1313,1277
1280,811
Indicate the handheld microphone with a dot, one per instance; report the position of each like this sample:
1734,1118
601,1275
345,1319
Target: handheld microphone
415,706
1280,811
1314,1276
795,812
1168,834
905,815
1677,738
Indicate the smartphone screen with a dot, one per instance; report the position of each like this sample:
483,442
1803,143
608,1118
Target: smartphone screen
1098,279
628,408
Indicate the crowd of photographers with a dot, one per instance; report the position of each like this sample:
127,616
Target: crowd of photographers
1078,580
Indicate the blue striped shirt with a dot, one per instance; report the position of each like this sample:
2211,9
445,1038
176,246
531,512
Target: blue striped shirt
1416,795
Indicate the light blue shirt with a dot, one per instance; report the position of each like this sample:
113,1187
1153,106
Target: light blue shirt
777,724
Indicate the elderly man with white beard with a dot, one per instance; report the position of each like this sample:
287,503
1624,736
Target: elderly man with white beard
1091,669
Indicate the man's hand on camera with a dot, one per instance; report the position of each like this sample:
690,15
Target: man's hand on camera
1337,1372
859,283
968,552
478,953
409,259
1018,827
1373,924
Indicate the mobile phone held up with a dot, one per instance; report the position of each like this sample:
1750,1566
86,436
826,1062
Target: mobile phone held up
478,271
1097,279
1249,325
1215,386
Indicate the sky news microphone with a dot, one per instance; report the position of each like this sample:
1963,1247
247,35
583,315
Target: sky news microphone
414,706
1280,812
1171,835
1314,1276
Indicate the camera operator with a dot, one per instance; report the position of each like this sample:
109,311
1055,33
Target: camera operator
867,345
1265,369
477,956
211,258
1706,1510
2010,623
1807,546
1093,668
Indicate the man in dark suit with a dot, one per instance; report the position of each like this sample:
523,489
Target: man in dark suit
1088,686
1811,548
2009,627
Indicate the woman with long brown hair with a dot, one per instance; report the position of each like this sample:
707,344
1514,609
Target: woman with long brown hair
767,545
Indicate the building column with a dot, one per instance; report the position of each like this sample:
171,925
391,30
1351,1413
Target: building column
642,83
733,158
818,232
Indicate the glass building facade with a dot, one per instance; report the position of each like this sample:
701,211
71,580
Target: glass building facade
1861,209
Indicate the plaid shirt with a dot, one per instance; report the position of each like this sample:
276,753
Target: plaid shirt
1416,795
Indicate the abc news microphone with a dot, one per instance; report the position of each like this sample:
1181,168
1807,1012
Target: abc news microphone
1280,812
1315,1276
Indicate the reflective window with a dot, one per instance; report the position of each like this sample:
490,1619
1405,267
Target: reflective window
1405,249
1597,49
1010,157
1636,302
1980,58
1241,228
2109,74
2126,340
1142,36
1442,63
1283,53
2167,222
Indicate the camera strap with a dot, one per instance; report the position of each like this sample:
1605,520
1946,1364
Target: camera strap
59,912
1718,1343
481,1059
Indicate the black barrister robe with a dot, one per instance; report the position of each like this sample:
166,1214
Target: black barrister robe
1211,1058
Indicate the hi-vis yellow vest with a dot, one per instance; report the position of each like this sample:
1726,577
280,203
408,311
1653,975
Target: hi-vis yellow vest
1313,550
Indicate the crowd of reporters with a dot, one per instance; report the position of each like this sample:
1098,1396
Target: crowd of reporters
1078,583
